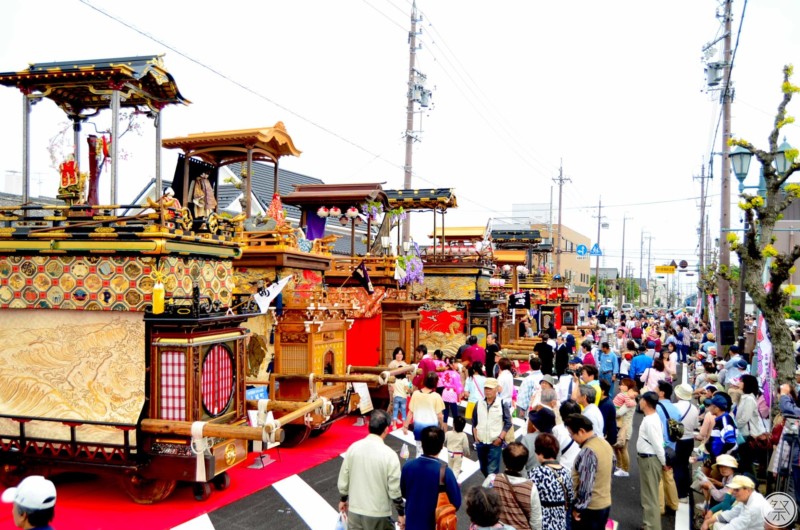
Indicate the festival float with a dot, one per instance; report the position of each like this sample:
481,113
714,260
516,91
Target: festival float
125,348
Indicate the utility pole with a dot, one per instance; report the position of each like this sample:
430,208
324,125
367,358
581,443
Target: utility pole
723,288
560,180
641,264
597,264
550,233
649,257
417,94
703,239
622,264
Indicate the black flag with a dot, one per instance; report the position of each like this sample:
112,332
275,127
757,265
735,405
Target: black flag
361,274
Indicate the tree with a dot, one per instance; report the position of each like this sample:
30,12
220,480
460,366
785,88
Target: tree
757,250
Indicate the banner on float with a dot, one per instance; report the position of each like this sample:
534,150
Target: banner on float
711,312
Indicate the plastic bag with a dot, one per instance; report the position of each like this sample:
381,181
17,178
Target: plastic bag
404,451
341,522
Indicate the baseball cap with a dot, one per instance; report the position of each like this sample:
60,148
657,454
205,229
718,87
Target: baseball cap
741,481
491,382
718,401
575,360
741,363
34,493
734,349
651,344
628,356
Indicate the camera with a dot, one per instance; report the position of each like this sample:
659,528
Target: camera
570,372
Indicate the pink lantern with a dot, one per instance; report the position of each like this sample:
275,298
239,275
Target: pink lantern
323,212
352,212
335,212
506,268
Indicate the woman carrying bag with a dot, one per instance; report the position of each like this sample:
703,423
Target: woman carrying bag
751,426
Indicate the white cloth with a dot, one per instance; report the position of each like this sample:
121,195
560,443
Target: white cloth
748,420
370,475
506,380
596,417
690,421
651,438
566,458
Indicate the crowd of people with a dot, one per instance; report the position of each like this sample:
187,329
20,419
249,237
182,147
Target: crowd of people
579,394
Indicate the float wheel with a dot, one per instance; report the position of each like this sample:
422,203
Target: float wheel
295,435
146,490
222,481
202,491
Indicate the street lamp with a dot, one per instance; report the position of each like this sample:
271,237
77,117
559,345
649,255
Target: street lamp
781,163
740,160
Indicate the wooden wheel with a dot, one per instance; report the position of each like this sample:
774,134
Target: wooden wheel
213,223
185,219
322,430
202,491
295,435
146,490
222,481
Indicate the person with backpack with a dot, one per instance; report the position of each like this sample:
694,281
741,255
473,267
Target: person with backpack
673,431
723,434
421,481
651,458
519,498
684,447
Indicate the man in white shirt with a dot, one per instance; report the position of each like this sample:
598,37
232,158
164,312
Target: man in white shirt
652,460
747,512
683,451
529,387
368,500
586,399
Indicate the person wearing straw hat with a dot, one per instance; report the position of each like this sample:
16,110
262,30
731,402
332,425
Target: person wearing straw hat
34,502
747,512
716,491
683,448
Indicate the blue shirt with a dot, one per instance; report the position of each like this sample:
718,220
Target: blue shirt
419,484
609,363
673,413
639,364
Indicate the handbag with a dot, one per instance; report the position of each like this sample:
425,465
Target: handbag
762,442
446,518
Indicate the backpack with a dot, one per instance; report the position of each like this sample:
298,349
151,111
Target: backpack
674,427
446,518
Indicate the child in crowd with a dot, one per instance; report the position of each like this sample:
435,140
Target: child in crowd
625,365
400,388
457,444
452,388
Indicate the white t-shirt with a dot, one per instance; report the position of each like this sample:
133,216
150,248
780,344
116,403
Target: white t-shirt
506,381
566,458
690,420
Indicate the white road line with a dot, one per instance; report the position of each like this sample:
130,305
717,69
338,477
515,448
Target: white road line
198,523
307,503
682,515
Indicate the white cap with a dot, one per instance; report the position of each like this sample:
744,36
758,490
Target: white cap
34,492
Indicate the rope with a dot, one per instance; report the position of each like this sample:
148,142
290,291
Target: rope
383,378
199,447
262,412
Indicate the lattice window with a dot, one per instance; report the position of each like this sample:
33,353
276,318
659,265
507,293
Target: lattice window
173,385
294,359
391,341
217,380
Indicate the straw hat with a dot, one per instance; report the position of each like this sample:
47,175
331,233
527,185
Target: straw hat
684,392
727,461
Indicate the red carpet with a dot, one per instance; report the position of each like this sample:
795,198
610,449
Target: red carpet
90,503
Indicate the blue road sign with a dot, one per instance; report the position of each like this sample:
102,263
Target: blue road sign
596,250
581,250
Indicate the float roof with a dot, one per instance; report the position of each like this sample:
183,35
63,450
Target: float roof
422,199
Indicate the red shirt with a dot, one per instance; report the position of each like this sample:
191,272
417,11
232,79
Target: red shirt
426,365
472,354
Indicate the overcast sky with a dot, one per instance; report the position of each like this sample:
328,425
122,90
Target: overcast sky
615,90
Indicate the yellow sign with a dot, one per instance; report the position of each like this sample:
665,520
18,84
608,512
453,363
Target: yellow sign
665,269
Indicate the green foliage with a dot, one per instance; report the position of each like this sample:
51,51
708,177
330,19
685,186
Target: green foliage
792,313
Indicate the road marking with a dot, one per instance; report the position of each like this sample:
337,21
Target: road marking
198,523
307,503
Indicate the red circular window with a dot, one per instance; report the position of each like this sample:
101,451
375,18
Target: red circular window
218,380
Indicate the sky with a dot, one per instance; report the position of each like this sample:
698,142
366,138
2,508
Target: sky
612,92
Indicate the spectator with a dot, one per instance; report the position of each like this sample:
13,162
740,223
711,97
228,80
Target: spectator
586,399
473,387
483,509
545,353
492,349
609,412
591,476
34,502
505,380
666,411
722,439
749,423
452,389
748,512
519,499
639,364
652,376
588,376
539,421
473,352
425,409
419,482
716,491
608,366
625,405
369,480
553,482
651,459
490,423
529,387
568,448
683,449
400,389
562,355
457,444
398,358
587,358
425,364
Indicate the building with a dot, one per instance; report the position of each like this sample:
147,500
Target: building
576,270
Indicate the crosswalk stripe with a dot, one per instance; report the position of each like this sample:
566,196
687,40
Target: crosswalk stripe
307,503
198,523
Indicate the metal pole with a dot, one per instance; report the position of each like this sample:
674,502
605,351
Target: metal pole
550,233
622,264
641,263
248,185
159,183
412,52
76,139
723,287
557,247
26,148
115,101
597,263
649,256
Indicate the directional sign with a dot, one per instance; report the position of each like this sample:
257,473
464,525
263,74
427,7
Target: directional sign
596,250
581,250
665,269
